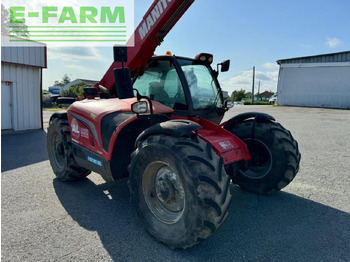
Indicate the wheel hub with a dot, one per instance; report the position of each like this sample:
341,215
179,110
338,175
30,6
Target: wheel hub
169,189
261,163
59,151
163,192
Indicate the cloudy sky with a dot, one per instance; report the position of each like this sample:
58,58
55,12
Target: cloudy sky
249,32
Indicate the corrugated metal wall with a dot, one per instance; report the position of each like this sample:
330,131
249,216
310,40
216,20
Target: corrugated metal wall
26,95
326,58
315,85
34,55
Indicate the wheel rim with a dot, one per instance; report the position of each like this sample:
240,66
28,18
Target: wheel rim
58,149
261,163
163,192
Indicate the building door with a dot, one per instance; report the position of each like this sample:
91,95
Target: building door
6,105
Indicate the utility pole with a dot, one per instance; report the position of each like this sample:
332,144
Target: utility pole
253,85
259,89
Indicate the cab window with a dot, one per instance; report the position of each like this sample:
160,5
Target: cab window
161,83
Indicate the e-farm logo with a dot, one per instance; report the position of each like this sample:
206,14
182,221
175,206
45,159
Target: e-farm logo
62,24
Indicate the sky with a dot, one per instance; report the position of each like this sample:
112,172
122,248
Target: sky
248,32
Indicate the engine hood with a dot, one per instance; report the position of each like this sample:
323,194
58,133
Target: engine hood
97,108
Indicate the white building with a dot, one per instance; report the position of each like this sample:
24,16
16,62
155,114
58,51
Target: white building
315,81
21,85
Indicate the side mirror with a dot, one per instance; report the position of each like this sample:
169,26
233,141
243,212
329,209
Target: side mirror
228,104
123,83
225,66
139,107
120,54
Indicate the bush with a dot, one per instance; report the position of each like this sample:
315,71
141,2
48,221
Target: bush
256,102
75,91
261,102
53,105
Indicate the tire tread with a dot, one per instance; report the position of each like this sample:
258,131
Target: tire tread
212,186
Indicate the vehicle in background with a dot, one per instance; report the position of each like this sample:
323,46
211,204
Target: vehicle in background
273,99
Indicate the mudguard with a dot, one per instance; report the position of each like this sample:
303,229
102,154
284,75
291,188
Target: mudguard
59,115
176,128
261,117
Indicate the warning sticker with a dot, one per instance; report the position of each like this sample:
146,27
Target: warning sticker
226,144
84,132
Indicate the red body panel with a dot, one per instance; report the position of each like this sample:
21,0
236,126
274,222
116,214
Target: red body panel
157,22
85,126
85,121
224,143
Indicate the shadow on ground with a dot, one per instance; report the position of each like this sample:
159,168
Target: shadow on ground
282,227
22,149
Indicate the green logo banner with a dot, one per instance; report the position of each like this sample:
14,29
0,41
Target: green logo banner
67,23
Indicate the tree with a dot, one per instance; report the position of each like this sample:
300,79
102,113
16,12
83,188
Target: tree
58,83
233,95
248,95
5,24
65,80
5,20
238,95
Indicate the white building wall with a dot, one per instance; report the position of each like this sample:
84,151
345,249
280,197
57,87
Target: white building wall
34,55
315,85
26,95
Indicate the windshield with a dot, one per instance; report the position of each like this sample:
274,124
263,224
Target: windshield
204,91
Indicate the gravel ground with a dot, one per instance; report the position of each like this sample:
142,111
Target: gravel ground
44,219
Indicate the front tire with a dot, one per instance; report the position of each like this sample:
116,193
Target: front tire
180,189
275,156
60,152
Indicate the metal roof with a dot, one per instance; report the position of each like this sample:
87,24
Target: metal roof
325,58
79,80
33,54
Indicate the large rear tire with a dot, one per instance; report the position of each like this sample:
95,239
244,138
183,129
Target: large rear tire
60,152
275,156
180,189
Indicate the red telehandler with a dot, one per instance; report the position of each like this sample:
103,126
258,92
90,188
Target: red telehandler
156,120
